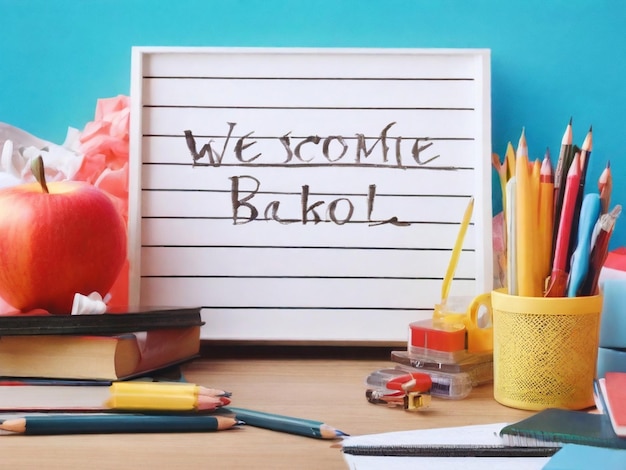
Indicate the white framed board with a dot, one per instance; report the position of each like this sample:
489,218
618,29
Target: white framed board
308,195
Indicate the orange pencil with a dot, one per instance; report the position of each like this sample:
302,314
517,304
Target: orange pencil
558,278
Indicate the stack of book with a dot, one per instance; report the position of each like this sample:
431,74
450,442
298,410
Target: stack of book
68,362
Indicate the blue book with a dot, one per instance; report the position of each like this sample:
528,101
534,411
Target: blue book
579,457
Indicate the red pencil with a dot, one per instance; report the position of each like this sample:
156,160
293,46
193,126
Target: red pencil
558,278
605,185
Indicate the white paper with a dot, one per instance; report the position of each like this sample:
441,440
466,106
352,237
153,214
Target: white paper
484,434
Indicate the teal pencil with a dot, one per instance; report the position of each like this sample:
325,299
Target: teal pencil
115,423
288,424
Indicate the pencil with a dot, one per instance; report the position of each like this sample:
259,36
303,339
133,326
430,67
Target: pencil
585,154
546,222
510,161
558,277
143,396
599,252
605,186
502,174
526,210
511,238
115,423
564,161
287,424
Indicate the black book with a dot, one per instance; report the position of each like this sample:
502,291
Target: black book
114,321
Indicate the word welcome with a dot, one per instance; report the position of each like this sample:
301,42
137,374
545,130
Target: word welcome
312,149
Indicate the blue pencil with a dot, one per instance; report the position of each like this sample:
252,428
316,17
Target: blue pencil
288,424
115,423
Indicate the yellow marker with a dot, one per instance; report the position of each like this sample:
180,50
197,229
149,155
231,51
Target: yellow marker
456,252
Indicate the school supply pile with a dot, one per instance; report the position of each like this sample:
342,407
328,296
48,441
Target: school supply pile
453,348
114,373
74,364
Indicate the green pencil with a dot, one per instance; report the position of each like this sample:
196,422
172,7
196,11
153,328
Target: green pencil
288,424
115,423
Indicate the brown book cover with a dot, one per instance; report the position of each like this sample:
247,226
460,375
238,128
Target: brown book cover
92,357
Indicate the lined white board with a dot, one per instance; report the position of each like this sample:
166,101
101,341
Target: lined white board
308,195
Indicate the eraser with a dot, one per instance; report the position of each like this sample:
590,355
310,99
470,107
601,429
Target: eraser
437,336
613,317
610,360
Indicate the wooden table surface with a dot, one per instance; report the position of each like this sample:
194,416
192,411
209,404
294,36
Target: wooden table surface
328,389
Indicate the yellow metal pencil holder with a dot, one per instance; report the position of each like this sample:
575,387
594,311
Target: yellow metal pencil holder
545,350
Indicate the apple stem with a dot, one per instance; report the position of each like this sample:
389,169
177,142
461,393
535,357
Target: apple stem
36,166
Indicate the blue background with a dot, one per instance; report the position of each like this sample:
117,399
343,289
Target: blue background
551,59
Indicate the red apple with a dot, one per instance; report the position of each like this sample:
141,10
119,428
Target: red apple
57,240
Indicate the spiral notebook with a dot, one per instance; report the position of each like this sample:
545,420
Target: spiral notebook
376,451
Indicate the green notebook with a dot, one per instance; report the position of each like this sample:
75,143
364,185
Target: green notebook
557,427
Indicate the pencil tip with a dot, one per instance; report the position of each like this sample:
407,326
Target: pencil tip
570,121
590,128
341,433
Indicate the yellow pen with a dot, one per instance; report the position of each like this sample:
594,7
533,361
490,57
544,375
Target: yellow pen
162,396
456,252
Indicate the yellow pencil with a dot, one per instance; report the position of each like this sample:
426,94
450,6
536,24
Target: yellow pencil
501,169
510,160
524,221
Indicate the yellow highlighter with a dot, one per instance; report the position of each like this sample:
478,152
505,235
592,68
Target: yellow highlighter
136,396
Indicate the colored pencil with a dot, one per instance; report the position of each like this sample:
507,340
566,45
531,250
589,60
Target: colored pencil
605,186
558,276
526,214
585,155
600,250
546,221
115,423
165,396
511,235
510,161
502,175
564,161
287,424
